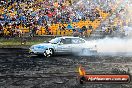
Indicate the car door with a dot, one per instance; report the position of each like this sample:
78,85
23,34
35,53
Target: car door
77,44
65,45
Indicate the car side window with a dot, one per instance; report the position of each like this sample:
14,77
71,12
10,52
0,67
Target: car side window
66,41
77,41
81,41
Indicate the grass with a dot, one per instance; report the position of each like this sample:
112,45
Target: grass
18,41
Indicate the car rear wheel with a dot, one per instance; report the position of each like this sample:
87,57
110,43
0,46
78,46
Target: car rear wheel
48,52
85,51
89,52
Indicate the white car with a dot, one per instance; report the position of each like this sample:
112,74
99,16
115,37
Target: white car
62,45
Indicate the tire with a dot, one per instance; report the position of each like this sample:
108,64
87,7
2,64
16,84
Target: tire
89,52
48,52
85,51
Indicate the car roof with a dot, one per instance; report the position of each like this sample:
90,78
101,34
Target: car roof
68,37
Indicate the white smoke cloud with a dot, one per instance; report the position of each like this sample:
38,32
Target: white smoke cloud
111,46
114,45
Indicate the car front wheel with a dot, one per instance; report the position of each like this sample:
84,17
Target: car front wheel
48,52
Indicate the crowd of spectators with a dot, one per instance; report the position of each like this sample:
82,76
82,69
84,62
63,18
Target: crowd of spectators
35,13
119,19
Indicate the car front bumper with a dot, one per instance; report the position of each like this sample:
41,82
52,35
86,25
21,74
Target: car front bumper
31,51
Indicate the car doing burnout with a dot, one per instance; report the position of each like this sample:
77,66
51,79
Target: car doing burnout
62,45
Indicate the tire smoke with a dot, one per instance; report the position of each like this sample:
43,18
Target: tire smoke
114,46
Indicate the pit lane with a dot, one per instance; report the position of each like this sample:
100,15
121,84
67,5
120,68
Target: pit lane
18,69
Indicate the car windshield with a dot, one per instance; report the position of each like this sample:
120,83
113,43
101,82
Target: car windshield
55,41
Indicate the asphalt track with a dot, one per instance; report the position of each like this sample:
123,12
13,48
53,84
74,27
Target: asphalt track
18,69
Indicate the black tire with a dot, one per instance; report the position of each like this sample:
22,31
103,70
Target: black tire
48,52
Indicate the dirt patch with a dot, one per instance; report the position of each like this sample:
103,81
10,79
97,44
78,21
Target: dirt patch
20,70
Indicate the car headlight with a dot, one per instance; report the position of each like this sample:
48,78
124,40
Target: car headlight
32,47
